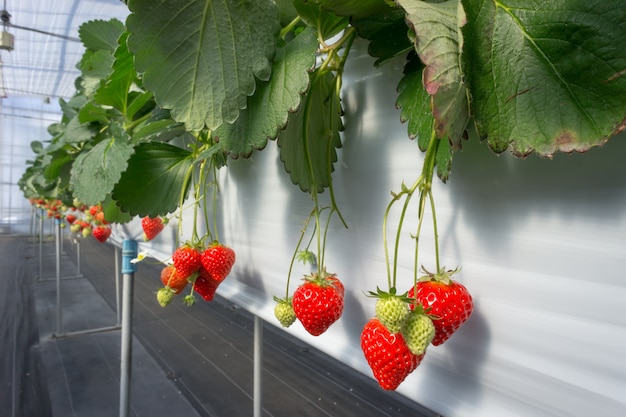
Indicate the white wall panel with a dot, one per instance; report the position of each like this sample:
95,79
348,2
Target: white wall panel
541,243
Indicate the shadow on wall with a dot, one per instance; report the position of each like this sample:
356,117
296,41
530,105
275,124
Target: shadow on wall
458,365
497,194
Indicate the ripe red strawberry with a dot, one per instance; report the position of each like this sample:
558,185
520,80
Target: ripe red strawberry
205,285
387,354
70,218
218,260
94,209
318,302
99,218
446,301
151,227
186,260
101,233
171,279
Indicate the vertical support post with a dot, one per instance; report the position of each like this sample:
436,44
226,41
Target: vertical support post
78,273
59,315
258,366
41,245
129,252
118,310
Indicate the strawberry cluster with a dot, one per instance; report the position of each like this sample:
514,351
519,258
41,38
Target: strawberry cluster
317,303
394,342
205,269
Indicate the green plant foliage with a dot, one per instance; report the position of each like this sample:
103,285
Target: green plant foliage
268,109
223,77
326,23
156,180
307,145
387,33
546,76
356,9
96,171
439,43
101,34
200,58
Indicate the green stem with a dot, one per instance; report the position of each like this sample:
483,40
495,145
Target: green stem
284,31
432,209
295,253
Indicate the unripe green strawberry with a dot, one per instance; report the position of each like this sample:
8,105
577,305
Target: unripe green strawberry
284,312
391,309
418,331
165,296
86,231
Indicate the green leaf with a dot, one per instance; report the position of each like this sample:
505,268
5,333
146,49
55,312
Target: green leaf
156,178
91,112
200,58
60,159
387,33
356,9
268,108
326,23
307,145
158,130
36,146
414,102
100,34
114,90
443,159
76,132
439,43
547,76
95,67
112,212
96,171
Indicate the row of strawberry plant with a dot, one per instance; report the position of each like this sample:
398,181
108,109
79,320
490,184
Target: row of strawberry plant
167,98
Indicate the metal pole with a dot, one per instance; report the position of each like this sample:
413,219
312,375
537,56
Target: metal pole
78,273
258,366
41,245
117,285
129,252
59,321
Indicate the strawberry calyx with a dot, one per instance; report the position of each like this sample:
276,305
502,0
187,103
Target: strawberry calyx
392,293
442,276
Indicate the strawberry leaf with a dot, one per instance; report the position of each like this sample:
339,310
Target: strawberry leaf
114,90
268,108
155,179
414,102
307,145
200,58
547,76
387,33
326,23
356,8
95,172
439,43
101,34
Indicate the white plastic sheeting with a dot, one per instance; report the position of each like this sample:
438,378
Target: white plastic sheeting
22,120
541,243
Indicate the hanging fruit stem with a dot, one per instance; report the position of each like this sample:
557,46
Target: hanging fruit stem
295,253
424,184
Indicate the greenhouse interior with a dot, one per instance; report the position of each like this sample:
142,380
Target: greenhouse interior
279,208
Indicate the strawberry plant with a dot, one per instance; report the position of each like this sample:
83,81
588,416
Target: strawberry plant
168,98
